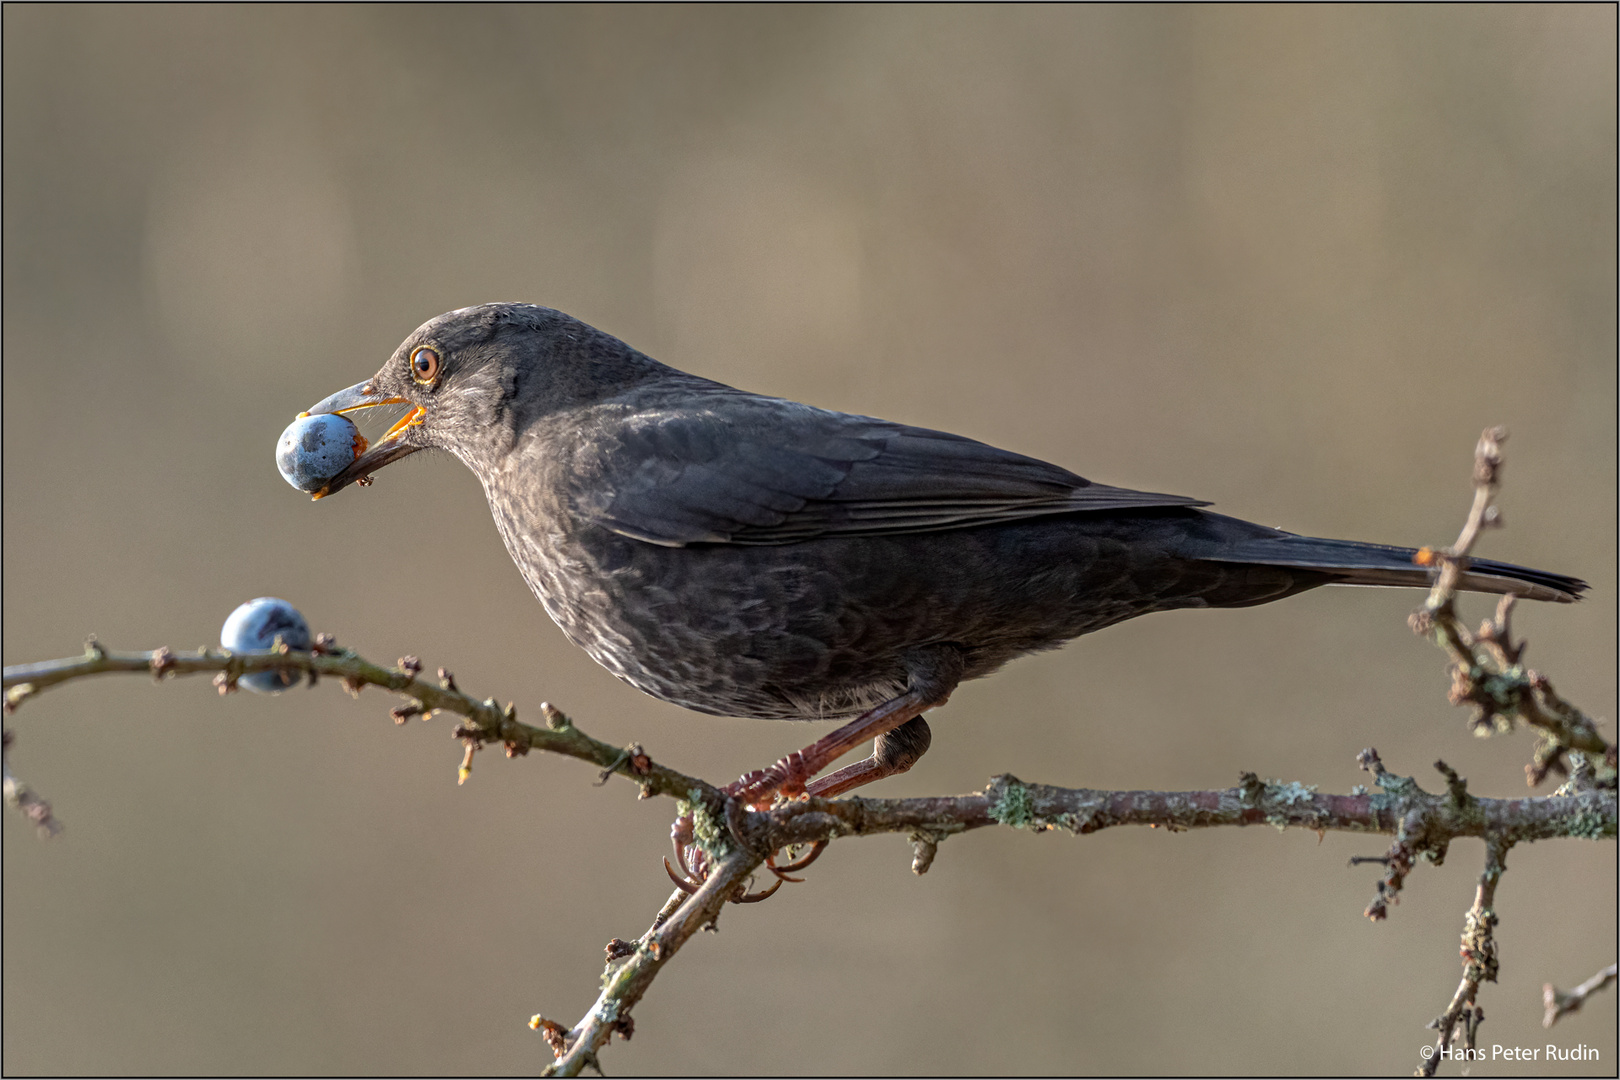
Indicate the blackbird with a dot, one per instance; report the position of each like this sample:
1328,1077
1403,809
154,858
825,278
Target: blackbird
749,556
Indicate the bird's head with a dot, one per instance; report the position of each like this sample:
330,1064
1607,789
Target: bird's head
471,379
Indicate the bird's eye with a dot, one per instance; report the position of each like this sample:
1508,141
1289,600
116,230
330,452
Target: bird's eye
424,365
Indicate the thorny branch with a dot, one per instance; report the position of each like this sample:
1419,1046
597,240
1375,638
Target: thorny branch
1423,823
1479,962
1486,672
486,721
1561,1004
1007,801
738,841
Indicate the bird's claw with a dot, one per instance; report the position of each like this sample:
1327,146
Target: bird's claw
682,882
692,861
755,897
691,866
803,861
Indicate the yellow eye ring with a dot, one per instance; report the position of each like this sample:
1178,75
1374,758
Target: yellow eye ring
425,365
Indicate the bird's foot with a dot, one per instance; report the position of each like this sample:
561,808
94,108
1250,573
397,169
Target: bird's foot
788,778
901,737
691,867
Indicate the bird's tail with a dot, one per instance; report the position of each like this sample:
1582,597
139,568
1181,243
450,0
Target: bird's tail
1349,562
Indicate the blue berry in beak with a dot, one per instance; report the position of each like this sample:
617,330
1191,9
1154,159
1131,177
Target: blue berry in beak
315,448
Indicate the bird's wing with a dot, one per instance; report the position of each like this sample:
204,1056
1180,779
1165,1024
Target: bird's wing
764,471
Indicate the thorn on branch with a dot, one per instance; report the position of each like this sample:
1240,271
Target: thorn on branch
1399,861
1455,785
1549,758
1497,633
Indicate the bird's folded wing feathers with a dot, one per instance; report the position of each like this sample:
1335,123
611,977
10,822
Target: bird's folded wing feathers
776,473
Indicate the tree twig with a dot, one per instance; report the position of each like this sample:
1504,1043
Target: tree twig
1560,1004
1486,671
487,722
629,982
1479,965
21,799
1007,801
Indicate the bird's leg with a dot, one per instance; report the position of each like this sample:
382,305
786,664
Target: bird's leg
933,676
790,775
900,736
892,753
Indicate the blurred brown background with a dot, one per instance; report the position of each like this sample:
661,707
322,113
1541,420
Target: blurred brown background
1290,260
